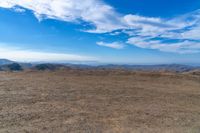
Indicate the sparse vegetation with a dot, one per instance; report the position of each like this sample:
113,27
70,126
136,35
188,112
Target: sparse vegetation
49,67
43,67
111,101
12,67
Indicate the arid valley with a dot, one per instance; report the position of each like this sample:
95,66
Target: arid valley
99,101
99,66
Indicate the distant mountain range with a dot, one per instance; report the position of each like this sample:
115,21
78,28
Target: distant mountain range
14,66
8,65
163,67
5,62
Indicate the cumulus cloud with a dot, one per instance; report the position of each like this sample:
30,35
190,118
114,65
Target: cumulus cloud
115,45
150,31
26,55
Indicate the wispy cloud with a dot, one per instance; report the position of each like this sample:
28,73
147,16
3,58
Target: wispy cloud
149,32
17,54
96,12
181,47
20,10
115,45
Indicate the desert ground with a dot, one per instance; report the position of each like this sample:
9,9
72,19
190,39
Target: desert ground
99,101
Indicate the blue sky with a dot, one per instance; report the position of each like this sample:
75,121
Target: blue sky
104,31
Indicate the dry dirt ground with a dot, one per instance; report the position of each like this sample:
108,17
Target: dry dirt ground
99,102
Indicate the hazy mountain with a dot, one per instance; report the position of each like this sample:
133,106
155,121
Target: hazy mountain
8,64
5,62
50,67
165,67
11,67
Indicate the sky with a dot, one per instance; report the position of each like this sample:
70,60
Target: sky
101,31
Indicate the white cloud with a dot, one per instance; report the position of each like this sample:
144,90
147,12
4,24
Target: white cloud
176,47
6,4
193,33
115,45
97,13
183,36
142,42
20,10
105,19
26,55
